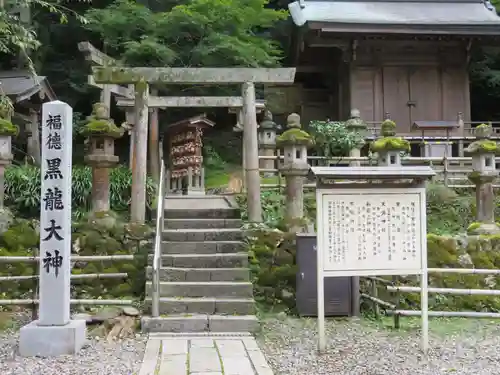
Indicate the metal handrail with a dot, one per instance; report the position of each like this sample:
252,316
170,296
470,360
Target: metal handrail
155,298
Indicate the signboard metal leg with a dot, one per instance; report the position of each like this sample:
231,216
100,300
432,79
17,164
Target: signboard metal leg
321,280
424,305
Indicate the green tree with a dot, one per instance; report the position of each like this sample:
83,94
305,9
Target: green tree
17,32
198,33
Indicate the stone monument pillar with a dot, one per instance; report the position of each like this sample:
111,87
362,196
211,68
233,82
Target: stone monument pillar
484,172
295,143
356,124
389,147
102,132
55,333
267,142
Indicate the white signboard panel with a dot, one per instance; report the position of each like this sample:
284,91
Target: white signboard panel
372,232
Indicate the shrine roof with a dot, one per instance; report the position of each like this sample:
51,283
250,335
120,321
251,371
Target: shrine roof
200,121
22,85
465,17
370,173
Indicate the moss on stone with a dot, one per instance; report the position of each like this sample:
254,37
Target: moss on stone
473,227
101,128
88,238
7,128
483,146
390,144
450,252
295,136
388,128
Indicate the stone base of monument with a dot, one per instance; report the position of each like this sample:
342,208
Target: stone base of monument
51,341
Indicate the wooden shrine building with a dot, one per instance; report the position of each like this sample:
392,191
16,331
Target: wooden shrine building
27,93
404,59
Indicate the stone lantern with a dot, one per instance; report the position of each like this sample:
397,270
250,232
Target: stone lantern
295,168
7,131
356,124
101,132
484,172
267,141
389,147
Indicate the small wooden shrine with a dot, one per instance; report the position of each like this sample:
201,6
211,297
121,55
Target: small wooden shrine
185,172
408,59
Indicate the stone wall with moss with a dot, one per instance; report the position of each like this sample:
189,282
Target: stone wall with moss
272,255
460,251
22,239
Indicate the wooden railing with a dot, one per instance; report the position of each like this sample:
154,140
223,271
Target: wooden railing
451,170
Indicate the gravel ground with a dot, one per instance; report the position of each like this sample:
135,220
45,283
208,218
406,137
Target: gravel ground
363,347
98,357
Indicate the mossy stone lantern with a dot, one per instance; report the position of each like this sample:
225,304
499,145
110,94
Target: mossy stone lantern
295,168
101,132
267,141
389,147
484,172
357,125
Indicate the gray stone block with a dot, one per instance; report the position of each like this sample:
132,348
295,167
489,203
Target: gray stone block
202,247
231,323
222,260
201,274
215,213
225,234
202,223
204,289
50,341
204,305
175,323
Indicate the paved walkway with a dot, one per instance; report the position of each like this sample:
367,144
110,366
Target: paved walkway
203,354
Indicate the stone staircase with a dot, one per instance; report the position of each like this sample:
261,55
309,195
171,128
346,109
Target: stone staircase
205,281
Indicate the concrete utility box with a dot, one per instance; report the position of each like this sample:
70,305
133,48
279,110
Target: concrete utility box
341,293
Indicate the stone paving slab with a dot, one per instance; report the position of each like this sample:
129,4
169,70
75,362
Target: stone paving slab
203,354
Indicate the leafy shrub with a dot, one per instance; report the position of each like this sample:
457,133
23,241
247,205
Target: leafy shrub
23,183
333,138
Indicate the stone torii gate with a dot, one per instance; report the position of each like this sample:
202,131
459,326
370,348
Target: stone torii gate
143,78
233,103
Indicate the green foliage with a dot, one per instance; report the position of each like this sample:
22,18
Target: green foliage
211,159
18,36
273,265
333,138
273,208
447,211
449,252
196,33
8,128
22,190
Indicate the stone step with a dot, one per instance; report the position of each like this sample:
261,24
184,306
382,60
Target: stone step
204,305
210,213
206,247
218,260
201,274
205,234
195,289
200,323
202,223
